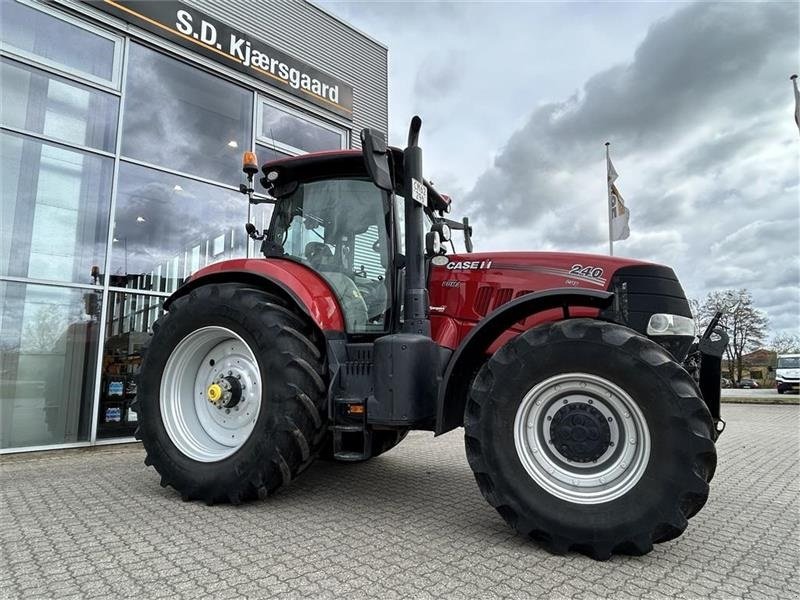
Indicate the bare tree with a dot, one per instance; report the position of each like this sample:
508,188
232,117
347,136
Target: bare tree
42,332
746,325
785,343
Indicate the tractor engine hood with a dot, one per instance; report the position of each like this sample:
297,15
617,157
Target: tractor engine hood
468,287
544,269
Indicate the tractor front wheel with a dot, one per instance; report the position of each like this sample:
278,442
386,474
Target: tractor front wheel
231,396
587,436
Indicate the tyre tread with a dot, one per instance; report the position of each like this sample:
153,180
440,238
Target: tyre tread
697,420
299,426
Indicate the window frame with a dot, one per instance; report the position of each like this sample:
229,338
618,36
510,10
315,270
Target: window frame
262,100
15,62
60,69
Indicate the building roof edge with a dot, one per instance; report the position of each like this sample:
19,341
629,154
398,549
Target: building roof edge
316,4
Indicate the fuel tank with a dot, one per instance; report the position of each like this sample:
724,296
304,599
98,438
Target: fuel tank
465,288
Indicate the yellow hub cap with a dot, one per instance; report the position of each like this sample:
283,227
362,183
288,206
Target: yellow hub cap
214,393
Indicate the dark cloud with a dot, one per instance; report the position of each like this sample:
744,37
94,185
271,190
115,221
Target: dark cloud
704,145
688,66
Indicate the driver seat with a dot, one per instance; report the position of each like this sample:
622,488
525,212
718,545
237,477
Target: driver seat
320,257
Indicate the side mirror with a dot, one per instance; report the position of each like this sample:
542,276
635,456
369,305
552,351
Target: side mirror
373,146
467,235
770,370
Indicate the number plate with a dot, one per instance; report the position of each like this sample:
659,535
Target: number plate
419,192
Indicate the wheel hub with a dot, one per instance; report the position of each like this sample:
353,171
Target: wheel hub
581,438
225,392
580,432
210,394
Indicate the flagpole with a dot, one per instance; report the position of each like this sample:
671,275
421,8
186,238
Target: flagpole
793,79
608,201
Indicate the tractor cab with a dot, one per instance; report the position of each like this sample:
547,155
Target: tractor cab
340,228
331,216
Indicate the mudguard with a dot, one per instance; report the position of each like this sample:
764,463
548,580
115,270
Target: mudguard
471,353
296,282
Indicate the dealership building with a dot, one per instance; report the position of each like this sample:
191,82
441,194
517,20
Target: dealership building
123,126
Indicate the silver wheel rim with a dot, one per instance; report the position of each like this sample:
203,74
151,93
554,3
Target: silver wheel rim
614,472
202,429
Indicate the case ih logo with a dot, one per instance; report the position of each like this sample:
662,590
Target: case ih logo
207,36
464,265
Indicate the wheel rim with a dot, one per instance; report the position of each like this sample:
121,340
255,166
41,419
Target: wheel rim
210,394
582,438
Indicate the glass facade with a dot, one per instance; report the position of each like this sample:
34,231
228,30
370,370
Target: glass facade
48,349
202,125
120,171
167,226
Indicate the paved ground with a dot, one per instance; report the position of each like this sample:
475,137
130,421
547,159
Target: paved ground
85,524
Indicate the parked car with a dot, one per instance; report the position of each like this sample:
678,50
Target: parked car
748,384
725,383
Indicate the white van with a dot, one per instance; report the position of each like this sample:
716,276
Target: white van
787,373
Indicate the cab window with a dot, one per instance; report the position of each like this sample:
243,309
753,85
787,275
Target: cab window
339,229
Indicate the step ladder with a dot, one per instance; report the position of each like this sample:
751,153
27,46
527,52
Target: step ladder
352,439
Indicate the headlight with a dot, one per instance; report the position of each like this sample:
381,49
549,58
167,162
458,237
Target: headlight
663,324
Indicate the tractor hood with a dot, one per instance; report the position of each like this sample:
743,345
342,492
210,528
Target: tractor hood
465,288
544,269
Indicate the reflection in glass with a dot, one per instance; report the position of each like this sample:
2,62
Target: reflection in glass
42,103
285,128
166,227
129,325
266,154
48,350
39,33
54,214
202,123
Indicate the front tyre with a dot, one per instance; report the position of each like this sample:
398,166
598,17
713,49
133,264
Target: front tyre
587,436
231,395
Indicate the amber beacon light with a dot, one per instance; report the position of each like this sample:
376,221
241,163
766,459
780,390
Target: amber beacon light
250,163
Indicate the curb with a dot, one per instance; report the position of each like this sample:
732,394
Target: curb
786,399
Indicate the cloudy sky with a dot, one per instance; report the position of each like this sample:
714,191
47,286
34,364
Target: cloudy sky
518,99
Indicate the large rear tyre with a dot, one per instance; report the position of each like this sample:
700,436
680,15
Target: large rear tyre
231,396
587,436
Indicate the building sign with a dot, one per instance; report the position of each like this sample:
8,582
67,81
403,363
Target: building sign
203,34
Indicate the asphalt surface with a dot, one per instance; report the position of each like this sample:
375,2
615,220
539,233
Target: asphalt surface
410,524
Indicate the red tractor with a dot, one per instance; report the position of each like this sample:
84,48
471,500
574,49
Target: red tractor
590,409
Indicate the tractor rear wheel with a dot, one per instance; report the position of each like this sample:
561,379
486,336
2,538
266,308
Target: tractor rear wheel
231,396
586,436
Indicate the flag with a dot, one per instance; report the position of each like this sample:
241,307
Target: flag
618,214
796,102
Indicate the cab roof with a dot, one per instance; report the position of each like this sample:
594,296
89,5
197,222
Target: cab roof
284,173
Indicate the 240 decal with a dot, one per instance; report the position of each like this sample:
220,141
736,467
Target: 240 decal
586,271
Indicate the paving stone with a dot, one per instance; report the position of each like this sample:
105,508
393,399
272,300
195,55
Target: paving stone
409,524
